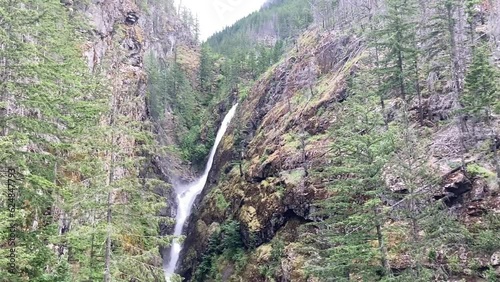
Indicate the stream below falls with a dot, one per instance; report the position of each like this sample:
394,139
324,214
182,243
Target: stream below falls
186,195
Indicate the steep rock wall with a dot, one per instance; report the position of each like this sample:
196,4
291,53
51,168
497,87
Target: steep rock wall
123,34
260,176
272,193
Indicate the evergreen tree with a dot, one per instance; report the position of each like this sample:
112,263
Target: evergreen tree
80,197
196,30
206,69
351,238
481,86
443,49
438,41
114,223
44,90
418,182
397,42
156,87
482,94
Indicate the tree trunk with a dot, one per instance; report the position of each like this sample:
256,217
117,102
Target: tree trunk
455,70
92,240
381,244
493,137
303,151
419,94
495,158
401,76
381,93
111,168
107,275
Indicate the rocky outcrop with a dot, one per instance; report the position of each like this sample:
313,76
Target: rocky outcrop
283,136
262,175
123,33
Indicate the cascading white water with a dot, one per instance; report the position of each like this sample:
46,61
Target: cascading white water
186,196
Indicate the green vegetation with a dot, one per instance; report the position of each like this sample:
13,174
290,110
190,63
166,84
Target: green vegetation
220,200
487,239
82,211
287,18
268,270
169,87
242,54
39,63
478,171
482,95
482,92
354,211
412,70
225,243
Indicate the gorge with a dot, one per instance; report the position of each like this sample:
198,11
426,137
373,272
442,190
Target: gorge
186,195
311,141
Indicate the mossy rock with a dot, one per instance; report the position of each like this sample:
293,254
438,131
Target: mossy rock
293,177
248,215
263,253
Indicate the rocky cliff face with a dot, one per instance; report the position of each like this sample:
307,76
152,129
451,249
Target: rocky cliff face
123,34
261,174
273,195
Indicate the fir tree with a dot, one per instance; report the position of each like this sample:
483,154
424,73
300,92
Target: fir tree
418,182
44,91
481,87
351,236
206,69
482,94
397,41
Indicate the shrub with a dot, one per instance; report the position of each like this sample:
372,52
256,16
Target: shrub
478,171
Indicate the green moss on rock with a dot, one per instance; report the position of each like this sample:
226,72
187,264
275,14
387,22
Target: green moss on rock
248,216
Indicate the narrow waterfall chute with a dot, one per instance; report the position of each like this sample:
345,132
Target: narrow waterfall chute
187,195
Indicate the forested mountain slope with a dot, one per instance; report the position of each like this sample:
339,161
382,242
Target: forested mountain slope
364,148
81,196
368,151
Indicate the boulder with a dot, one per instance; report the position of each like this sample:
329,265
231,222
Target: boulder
495,259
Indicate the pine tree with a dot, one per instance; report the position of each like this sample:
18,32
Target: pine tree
79,174
444,50
157,85
482,93
196,29
44,93
113,234
481,87
206,69
397,42
351,238
418,182
439,42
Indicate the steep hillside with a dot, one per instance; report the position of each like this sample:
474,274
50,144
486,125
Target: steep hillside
364,148
79,140
347,163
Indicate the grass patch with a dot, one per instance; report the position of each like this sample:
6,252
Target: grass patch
220,200
294,176
478,171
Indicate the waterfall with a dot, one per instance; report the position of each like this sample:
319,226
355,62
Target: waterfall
187,194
